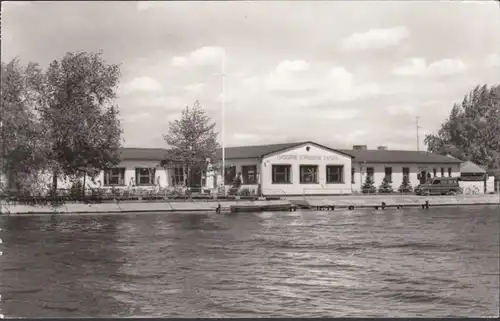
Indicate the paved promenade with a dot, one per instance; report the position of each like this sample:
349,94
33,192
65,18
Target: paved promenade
360,201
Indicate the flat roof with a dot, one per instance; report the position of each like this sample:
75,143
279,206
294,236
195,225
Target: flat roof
369,156
400,156
469,167
137,153
258,151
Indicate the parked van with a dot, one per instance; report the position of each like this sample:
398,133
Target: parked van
439,186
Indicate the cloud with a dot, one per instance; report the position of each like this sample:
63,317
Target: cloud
136,117
290,66
290,76
141,84
315,86
340,113
209,55
248,139
156,101
338,85
493,60
296,77
351,137
400,109
195,88
419,67
374,39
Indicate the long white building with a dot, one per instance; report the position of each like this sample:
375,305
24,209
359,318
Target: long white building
307,168
302,168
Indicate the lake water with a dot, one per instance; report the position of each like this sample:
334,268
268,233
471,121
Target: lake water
411,262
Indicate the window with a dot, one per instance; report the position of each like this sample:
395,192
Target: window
282,174
178,176
353,172
406,173
229,175
442,171
114,176
308,174
370,173
449,171
335,174
145,176
388,174
249,174
434,172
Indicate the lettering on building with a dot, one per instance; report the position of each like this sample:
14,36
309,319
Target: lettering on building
330,158
306,157
287,157
309,157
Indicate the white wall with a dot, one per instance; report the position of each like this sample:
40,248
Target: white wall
129,165
397,173
490,185
472,187
325,157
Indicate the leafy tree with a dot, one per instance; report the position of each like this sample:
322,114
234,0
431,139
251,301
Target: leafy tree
405,186
471,132
23,141
79,116
368,186
192,139
385,186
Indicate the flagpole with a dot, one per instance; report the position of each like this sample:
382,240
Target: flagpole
223,121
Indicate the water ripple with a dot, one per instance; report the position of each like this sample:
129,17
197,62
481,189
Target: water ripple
407,263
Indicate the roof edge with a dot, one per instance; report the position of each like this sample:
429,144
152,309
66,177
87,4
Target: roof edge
308,142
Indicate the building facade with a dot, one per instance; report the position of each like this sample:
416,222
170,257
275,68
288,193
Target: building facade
145,168
304,168
291,169
394,165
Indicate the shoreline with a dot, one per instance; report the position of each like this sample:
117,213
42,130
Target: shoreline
329,203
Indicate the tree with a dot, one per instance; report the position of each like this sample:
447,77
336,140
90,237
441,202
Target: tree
471,132
79,116
368,186
192,139
23,141
385,186
405,186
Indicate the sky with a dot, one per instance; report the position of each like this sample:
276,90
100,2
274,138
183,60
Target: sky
337,73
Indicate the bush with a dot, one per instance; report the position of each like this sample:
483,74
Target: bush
385,187
76,190
368,187
245,192
405,186
233,191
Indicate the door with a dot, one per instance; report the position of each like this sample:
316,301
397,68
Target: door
423,177
195,178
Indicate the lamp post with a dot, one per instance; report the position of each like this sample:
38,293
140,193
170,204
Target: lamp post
223,98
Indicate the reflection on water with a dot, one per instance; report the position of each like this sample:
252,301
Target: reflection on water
440,262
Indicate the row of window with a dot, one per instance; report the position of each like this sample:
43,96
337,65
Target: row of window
248,175
143,176
406,173
308,174
281,174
